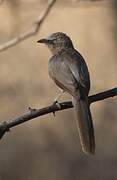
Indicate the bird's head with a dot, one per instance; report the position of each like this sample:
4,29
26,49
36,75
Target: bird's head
57,42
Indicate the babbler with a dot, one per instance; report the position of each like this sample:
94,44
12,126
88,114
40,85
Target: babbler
69,71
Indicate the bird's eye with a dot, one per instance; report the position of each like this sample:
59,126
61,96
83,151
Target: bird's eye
50,41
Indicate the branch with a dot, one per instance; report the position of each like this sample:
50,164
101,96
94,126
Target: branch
33,113
32,31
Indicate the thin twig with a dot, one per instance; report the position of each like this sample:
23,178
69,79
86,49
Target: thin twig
32,31
33,113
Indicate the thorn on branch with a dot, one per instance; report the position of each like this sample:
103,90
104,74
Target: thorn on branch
54,113
31,109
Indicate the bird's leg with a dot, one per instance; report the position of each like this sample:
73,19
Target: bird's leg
56,100
58,96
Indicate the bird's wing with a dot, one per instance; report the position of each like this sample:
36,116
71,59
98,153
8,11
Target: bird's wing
80,72
69,72
60,72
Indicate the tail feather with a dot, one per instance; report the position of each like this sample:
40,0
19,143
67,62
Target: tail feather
84,123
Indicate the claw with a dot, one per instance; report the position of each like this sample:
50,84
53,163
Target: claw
57,103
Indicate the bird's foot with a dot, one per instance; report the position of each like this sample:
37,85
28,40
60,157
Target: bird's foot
57,104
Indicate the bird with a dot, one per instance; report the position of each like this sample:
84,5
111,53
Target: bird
69,71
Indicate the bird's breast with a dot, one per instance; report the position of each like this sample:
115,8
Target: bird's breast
53,67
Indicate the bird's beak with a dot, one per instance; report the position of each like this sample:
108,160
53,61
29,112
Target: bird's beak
42,41
47,40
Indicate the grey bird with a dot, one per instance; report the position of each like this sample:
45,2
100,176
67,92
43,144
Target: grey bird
69,71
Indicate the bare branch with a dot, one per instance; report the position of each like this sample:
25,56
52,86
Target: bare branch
32,31
33,113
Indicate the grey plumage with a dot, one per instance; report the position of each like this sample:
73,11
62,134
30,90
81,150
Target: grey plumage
69,71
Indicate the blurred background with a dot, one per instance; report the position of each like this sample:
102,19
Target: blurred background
47,148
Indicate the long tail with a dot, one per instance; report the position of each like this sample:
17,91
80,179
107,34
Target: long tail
84,123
